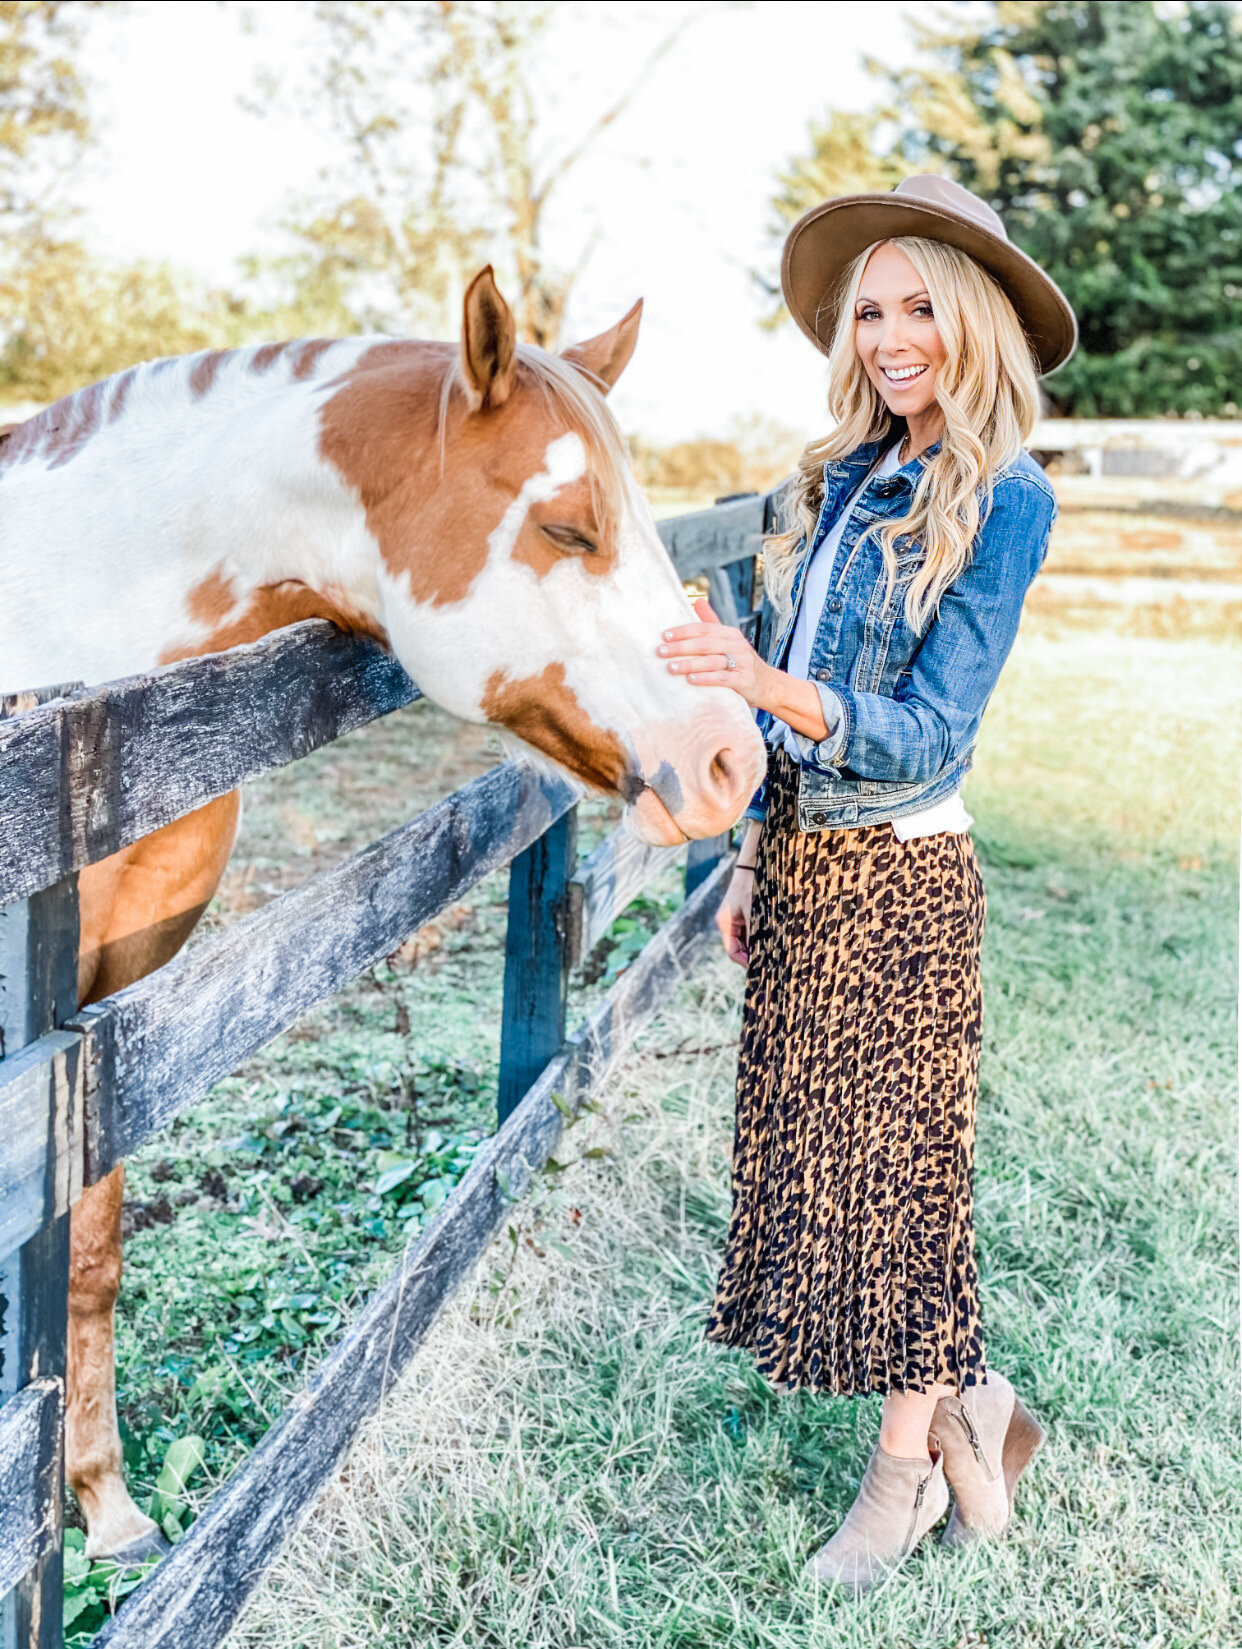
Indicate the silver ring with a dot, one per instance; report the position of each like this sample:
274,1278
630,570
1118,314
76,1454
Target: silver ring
730,662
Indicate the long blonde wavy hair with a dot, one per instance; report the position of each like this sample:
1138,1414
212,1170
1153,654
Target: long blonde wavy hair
988,393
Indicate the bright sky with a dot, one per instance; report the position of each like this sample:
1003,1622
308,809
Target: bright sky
677,190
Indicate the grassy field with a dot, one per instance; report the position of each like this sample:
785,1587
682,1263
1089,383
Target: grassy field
570,1465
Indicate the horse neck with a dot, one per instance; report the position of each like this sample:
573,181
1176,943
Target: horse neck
189,505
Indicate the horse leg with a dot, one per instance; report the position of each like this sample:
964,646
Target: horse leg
136,911
114,1524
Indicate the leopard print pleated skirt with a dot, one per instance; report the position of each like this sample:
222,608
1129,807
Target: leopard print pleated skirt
849,1265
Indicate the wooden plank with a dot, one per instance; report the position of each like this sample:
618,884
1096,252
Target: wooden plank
606,882
537,960
198,1591
79,780
713,538
30,1423
160,1044
39,963
42,1098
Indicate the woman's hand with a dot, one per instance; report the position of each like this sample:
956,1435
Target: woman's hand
701,652
733,917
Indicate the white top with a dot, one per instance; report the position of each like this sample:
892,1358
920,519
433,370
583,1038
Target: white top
949,813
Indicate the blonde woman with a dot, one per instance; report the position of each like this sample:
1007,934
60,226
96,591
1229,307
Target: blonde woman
915,529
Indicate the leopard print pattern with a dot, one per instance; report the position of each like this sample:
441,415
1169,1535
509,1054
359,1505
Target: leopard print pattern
849,1265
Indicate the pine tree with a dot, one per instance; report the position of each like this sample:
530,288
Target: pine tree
1109,138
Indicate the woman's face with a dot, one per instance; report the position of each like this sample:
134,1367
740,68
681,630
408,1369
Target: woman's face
895,333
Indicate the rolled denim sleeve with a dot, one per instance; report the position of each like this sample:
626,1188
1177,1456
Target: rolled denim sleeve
825,753
935,711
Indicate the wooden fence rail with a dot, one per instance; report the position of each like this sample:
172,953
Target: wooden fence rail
85,772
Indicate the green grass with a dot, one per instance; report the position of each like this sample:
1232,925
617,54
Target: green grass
569,1464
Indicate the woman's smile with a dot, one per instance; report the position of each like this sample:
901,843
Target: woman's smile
903,374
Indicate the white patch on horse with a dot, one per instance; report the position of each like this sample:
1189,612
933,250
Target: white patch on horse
564,462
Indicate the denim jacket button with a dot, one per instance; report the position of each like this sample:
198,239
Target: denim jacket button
835,605
823,675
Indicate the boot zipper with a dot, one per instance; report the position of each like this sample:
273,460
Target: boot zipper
972,1435
918,1506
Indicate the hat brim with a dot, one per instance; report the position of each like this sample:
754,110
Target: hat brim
825,241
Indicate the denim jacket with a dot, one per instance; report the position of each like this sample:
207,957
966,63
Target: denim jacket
903,709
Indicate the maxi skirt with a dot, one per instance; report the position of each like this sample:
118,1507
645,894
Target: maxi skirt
849,1265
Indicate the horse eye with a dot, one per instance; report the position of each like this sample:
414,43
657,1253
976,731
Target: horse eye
570,540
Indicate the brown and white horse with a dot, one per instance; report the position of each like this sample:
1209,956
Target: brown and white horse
472,509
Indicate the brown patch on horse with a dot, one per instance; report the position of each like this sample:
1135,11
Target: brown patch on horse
205,368
270,607
544,711
307,358
60,431
380,431
209,601
120,393
266,356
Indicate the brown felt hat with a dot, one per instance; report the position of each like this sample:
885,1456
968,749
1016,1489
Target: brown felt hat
826,240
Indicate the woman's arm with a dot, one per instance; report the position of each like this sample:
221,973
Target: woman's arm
701,653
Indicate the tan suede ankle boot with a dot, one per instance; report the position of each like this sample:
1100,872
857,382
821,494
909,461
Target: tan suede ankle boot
986,1437
897,1504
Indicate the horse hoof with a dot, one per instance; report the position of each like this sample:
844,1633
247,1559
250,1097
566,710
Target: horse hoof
139,1551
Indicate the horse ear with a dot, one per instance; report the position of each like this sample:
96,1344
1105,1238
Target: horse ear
488,342
607,356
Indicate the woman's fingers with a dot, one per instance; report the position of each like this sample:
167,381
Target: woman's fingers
697,646
699,662
699,636
713,677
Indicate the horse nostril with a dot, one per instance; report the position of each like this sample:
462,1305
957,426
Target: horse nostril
722,767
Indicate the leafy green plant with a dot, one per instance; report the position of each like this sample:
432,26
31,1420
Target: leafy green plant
93,1590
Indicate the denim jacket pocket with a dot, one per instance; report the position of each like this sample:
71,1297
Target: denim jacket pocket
889,642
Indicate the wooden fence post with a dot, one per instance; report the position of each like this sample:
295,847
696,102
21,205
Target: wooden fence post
38,991
537,959
731,588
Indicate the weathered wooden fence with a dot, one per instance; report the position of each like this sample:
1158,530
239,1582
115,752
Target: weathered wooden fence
84,773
